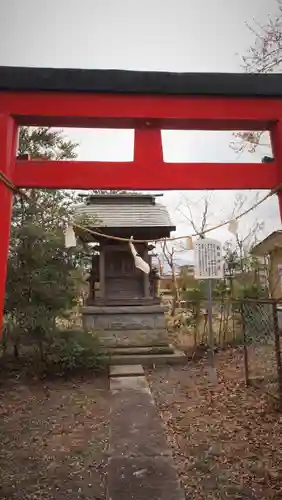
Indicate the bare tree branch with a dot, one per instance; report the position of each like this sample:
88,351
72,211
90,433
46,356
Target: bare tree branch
198,224
246,241
264,56
169,255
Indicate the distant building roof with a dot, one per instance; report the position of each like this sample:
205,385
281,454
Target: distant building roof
124,210
167,272
270,243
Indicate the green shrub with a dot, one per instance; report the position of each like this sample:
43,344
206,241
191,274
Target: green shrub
73,349
60,352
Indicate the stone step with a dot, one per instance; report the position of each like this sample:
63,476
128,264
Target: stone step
126,370
131,331
178,357
124,302
126,351
133,338
152,309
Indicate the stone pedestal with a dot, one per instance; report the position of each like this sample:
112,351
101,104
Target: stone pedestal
134,325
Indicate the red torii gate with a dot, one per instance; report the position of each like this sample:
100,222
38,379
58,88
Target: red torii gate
146,102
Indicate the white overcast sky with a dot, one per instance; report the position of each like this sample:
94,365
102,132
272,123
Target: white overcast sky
178,35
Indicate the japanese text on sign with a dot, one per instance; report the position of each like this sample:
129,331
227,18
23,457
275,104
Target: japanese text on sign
208,259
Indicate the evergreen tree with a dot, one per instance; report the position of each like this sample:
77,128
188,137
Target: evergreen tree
46,143
43,277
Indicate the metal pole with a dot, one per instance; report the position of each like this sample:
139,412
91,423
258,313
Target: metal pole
211,336
277,350
246,357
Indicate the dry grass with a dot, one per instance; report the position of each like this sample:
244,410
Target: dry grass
187,337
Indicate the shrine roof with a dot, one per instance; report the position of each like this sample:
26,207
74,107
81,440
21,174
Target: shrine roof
140,82
125,210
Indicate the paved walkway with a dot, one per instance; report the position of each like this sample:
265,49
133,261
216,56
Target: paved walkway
141,465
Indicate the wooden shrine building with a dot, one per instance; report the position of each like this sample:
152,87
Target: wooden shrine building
122,297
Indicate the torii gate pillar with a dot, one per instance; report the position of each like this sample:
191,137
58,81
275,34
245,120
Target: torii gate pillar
8,143
276,142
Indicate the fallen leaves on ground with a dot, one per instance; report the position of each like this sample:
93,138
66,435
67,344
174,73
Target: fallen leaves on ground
53,439
226,438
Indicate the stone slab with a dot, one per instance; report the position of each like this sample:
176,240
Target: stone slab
124,321
140,465
132,338
125,351
127,310
126,370
146,478
136,429
129,384
178,357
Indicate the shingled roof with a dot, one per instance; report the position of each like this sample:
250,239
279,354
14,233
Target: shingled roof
270,243
125,210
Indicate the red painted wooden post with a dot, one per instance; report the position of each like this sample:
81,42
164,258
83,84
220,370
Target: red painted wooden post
276,141
148,148
8,144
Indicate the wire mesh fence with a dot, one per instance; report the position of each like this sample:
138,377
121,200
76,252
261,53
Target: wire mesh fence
250,324
262,346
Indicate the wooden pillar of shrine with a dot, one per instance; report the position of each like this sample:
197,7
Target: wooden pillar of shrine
102,272
146,276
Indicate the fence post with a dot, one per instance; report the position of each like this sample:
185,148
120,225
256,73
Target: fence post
277,350
246,360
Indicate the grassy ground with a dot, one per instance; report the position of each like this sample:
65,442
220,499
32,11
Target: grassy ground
53,439
226,439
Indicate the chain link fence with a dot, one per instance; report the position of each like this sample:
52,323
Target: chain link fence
262,346
250,324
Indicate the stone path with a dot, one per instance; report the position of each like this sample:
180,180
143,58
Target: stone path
140,465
